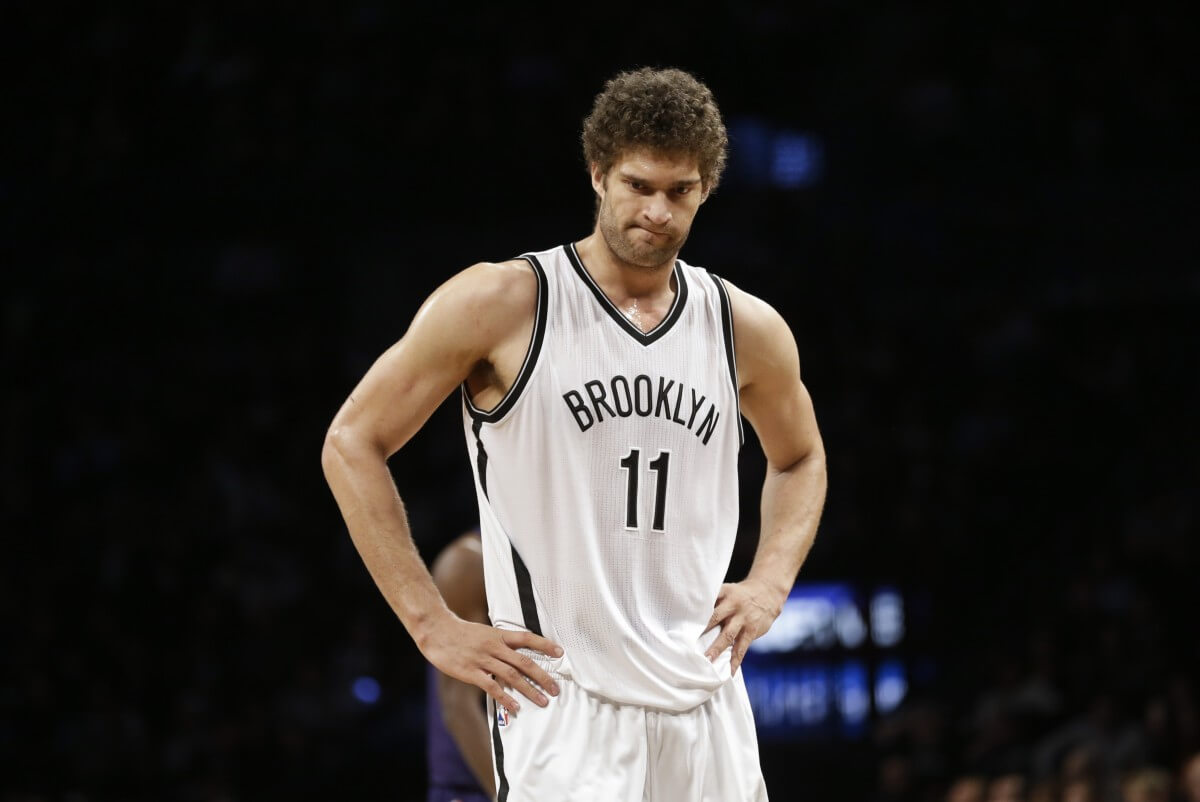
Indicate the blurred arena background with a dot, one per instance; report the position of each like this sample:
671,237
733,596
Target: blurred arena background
978,219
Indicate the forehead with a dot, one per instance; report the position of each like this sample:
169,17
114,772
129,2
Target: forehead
656,164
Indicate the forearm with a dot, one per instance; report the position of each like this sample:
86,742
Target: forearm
467,723
362,485
792,500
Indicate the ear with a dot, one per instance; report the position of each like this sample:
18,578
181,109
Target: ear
704,192
598,177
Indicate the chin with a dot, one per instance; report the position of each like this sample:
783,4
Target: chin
650,260
648,257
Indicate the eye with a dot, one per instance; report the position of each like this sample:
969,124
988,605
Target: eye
637,185
682,190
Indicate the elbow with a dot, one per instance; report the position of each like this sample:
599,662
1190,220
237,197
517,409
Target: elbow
334,448
348,445
811,461
816,459
806,474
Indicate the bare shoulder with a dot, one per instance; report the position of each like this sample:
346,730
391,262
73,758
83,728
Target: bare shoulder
476,314
774,398
763,340
488,296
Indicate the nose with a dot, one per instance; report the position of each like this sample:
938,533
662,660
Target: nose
657,211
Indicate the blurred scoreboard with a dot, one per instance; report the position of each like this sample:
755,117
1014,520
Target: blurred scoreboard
834,659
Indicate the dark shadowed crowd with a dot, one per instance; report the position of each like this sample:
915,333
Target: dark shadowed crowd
219,215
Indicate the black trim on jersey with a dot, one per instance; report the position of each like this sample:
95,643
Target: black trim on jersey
525,591
644,337
730,352
498,754
481,457
531,355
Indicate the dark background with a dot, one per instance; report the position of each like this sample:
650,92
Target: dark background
216,215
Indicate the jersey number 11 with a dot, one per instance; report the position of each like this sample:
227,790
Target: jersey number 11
660,464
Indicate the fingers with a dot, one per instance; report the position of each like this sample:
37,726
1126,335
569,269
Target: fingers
495,690
524,665
722,607
537,674
515,639
735,636
740,646
514,679
725,640
720,613
527,669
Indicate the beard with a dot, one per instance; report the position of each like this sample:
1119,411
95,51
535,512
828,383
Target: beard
627,244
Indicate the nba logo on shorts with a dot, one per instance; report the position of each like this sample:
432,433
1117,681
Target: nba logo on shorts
501,716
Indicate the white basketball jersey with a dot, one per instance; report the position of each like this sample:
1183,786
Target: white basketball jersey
607,485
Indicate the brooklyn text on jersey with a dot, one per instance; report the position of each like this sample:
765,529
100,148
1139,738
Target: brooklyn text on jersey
621,397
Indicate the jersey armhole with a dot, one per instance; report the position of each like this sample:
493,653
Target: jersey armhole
501,409
730,350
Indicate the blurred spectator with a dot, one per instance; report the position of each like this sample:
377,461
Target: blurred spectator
1080,790
1006,788
895,780
968,788
214,213
1147,785
1189,779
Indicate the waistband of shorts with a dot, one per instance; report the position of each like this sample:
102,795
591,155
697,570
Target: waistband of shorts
551,665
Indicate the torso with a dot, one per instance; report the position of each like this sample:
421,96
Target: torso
607,482
644,306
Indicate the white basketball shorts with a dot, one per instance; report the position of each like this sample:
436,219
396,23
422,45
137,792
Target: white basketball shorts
583,748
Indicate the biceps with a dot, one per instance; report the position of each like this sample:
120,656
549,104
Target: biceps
784,420
399,393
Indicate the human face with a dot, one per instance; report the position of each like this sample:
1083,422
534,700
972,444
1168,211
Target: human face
648,200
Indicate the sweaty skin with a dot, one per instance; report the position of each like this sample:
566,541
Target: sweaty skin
476,328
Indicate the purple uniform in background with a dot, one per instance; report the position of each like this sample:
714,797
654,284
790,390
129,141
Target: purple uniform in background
449,778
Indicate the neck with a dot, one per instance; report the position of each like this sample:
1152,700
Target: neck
620,278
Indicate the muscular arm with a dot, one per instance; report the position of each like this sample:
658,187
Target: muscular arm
476,316
778,406
458,574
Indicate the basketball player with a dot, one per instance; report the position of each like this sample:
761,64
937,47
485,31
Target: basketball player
460,752
603,384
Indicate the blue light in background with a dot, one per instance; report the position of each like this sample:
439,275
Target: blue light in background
815,617
366,690
891,685
853,698
796,160
829,665
789,700
764,155
809,699
887,617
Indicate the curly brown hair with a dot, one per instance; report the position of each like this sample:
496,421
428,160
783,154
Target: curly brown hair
667,110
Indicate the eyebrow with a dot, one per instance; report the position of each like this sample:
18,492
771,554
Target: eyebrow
682,182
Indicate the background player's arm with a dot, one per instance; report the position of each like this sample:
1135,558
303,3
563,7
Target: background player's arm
458,574
478,314
778,406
